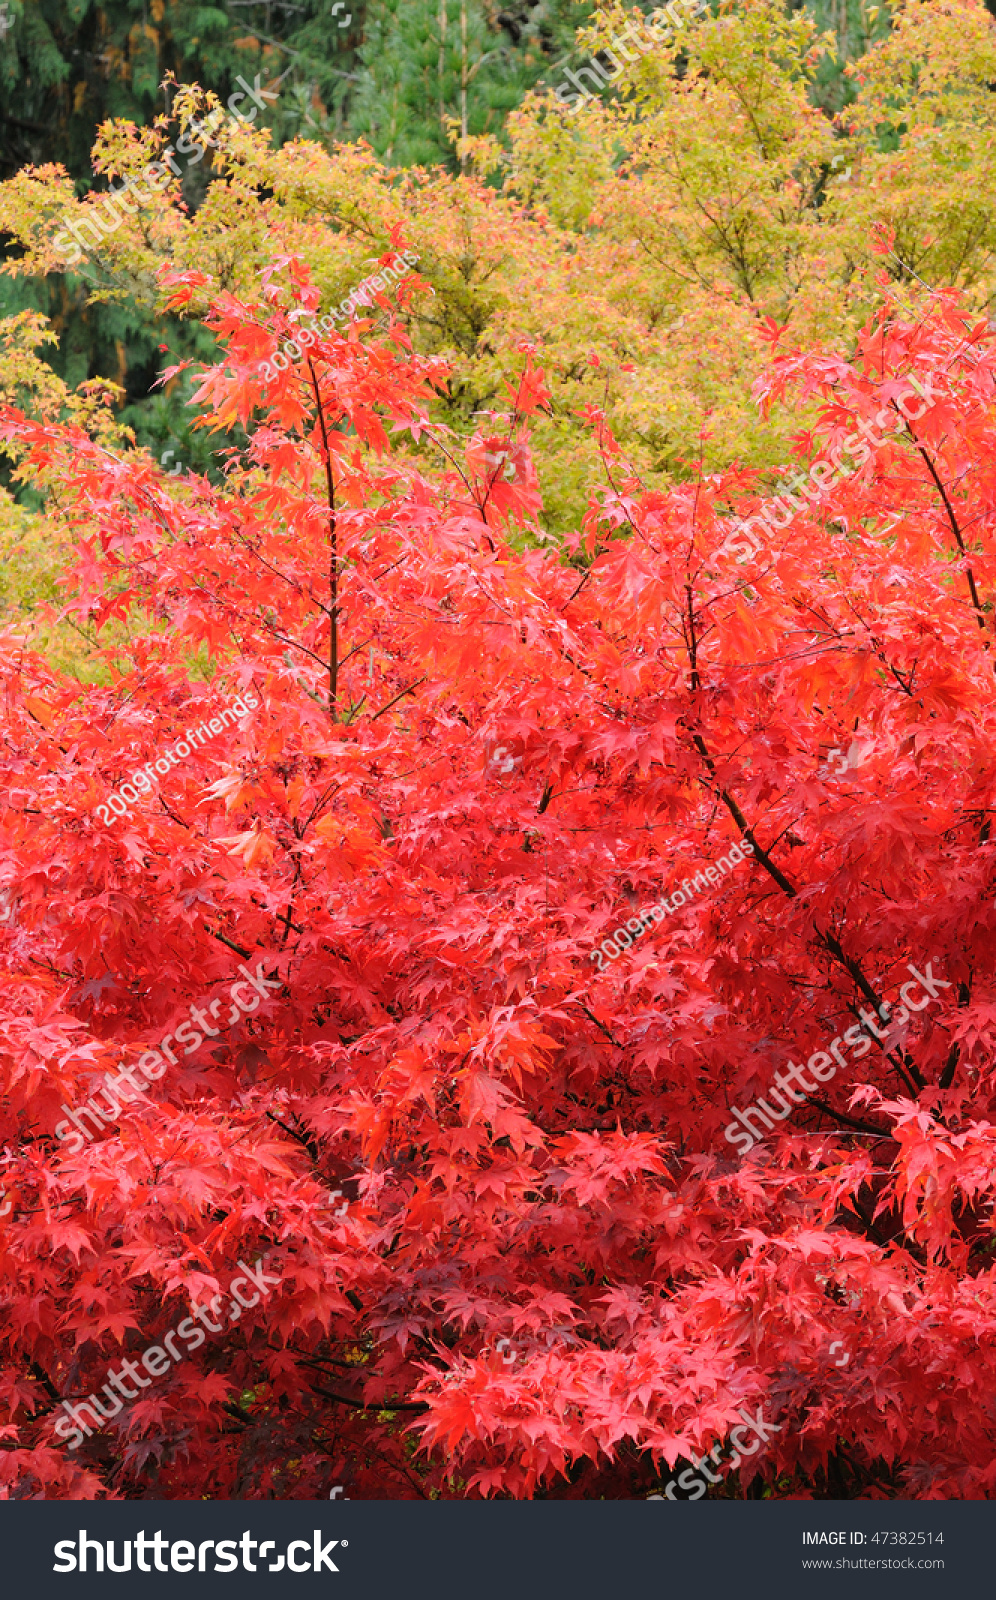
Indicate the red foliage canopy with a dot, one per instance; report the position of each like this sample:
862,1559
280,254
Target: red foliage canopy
473,759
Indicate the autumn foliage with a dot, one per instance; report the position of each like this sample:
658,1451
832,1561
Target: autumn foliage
476,754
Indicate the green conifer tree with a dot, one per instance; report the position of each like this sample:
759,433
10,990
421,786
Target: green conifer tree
68,65
857,24
432,69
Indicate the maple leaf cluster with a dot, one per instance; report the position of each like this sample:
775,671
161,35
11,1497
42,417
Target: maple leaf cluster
531,1149
643,244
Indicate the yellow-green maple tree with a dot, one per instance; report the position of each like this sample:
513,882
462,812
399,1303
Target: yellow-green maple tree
645,243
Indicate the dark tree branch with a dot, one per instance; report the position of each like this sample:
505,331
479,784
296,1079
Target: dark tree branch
411,687
847,1121
333,612
245,954
375,1405
952,519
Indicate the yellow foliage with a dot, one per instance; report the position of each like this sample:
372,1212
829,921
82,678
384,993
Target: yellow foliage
645,245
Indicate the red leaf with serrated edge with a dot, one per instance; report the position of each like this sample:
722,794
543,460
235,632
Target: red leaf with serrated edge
499,922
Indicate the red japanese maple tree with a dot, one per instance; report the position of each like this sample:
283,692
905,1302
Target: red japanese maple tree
475,756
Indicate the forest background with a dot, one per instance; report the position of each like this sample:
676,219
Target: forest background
437,88
493,514
409,78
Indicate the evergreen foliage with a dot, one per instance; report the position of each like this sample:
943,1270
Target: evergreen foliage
435,68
